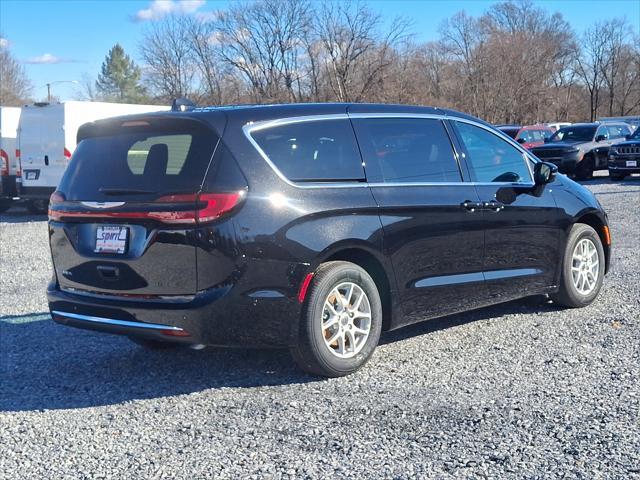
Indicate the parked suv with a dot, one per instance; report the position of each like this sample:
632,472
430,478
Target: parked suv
624,157
528,136
313,227
581,148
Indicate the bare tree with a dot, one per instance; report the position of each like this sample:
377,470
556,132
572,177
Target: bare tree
627,85
355,53
462,39
591,63
166,50
617,34
15,87
265,42
87,89
204,44
517,62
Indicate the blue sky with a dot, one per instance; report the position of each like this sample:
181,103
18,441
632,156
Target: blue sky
66,39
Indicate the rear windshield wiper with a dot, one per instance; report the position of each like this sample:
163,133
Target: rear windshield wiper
125,191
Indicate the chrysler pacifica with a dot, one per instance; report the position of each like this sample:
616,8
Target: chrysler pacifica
312,227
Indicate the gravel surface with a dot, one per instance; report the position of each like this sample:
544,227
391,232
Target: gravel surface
521,390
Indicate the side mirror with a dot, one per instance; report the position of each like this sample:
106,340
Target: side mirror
547,139
600,138
521,140
544,173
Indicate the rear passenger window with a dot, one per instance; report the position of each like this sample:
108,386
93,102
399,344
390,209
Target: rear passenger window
316,150
407,150
490,158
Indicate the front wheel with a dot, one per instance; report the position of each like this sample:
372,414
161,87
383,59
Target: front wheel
341,321
582,268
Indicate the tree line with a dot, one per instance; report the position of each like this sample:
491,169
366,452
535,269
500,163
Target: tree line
515,63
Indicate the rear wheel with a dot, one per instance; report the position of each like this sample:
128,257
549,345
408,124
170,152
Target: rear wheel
38,207
584,169
582,268
341,321
154,344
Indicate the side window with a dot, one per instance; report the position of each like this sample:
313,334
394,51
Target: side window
164,154
407,150
315,150
490,158
602,131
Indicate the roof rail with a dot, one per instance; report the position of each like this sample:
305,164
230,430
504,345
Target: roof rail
182,105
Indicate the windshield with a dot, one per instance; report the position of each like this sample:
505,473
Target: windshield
636,134
577,133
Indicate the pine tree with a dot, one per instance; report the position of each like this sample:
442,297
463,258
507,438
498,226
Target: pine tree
119,79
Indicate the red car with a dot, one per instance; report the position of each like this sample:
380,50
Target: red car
529,136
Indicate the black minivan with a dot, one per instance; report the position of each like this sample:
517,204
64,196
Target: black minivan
310,226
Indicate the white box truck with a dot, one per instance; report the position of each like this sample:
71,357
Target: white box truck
47,139
9,168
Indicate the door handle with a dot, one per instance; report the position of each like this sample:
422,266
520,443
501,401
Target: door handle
493,205
471,206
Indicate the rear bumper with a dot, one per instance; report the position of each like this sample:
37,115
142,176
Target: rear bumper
122,327
218,316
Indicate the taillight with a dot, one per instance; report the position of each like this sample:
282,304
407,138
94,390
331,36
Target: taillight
172,209
55,199
19,171
4,163
66,153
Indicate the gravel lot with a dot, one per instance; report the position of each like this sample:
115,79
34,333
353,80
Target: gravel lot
521,390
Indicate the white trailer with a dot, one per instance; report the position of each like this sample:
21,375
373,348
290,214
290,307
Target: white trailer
47,140
9,168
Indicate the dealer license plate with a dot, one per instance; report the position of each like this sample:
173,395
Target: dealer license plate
111,239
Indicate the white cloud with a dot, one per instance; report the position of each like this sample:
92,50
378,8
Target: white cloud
48,59
161,8
4,43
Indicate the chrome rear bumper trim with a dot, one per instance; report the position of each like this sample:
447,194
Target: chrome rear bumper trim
121,323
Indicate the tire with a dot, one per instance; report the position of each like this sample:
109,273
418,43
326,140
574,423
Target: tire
584,169
353,348
154,344
38,207
5,204
616,177
569,294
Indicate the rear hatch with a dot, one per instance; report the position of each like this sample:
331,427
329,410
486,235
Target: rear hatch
123,220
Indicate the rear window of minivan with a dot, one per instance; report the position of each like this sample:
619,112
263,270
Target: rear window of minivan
139,164
312,150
